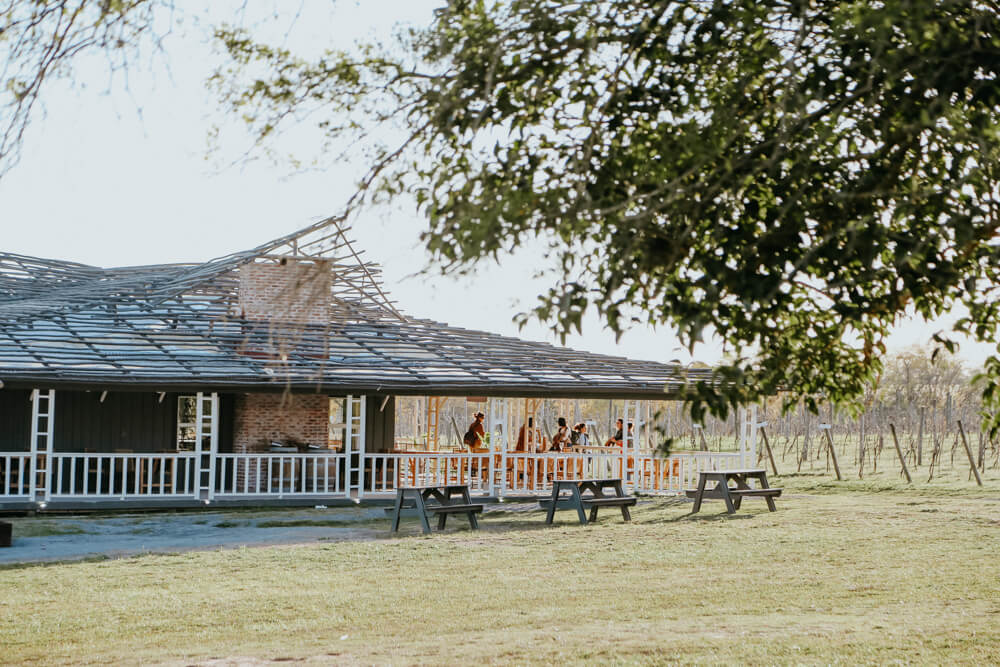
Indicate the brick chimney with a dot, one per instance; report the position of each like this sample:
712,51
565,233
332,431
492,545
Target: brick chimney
292,291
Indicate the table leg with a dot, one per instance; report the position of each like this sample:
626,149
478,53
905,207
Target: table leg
467,499
578,501
552,508
397,510
697,496
768,499
621,494
422,511
724,488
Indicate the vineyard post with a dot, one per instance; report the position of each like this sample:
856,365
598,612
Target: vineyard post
920,437
968,451
829,443
899,453
767,447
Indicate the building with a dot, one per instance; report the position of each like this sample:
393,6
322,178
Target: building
274,375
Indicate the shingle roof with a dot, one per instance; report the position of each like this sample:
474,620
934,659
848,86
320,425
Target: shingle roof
179,326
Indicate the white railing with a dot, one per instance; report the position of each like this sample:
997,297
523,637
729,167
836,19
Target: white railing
523,473
384,473
126,476
696,462
15,474
122,475
279,475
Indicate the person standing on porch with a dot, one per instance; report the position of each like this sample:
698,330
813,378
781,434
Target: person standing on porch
476,435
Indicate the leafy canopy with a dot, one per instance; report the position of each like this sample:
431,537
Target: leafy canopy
792,175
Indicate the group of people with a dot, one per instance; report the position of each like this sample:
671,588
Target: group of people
563,439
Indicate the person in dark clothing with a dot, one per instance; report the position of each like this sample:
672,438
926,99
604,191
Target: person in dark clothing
561,438
617,439
476,435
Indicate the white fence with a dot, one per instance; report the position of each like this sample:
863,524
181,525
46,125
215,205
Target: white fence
132,476
278,475
122,475
15,475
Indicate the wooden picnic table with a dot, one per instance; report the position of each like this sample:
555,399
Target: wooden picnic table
579,502
733,495
416,497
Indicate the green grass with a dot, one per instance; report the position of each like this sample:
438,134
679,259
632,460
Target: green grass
833,577
46,527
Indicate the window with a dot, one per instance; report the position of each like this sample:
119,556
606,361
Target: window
187,423
338,427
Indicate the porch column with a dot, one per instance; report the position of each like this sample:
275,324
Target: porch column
43,410
747,420
354,446
499,414
206,444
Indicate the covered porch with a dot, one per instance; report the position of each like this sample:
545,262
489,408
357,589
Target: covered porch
161,449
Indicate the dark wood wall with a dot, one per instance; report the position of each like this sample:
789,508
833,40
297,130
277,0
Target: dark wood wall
380,425
15,420
137,421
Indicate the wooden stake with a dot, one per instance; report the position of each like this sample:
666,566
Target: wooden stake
899,453
833,454
767,448
968,451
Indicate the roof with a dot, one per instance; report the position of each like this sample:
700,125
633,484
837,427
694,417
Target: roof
179,326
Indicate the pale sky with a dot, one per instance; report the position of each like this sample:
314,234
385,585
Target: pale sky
121,178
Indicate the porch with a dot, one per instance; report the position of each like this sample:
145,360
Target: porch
46,477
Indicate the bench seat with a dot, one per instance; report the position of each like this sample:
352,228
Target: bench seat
454,509
769,492
613,501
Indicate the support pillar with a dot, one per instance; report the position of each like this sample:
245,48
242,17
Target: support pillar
43,410
354,447
206,444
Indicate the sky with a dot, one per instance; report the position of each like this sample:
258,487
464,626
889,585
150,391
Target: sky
116,175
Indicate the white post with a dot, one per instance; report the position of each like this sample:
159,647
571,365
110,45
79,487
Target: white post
362,433
499,409
355,446
41,450
213,442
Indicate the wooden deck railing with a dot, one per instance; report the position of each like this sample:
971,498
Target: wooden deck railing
135,476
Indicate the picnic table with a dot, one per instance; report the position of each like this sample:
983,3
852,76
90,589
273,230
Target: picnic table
732,495
594,501
416,497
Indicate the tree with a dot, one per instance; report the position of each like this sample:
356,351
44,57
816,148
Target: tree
40,40
793,176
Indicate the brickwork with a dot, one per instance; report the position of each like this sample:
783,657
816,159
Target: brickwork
261,418
296,292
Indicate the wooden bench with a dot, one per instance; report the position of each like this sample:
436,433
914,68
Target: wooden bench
416,497
442,512
576,500
732,495
623,502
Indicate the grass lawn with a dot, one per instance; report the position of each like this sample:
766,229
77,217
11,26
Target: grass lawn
861,572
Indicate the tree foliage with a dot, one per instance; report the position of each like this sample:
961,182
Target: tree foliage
40,40
793,176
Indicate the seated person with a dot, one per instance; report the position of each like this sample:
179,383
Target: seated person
524,435
617,439
476,435
582,439
561,438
